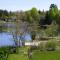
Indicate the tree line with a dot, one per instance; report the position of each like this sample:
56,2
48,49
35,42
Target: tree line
37,19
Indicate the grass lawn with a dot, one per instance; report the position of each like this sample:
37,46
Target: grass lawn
20,55
17,57
37,55
51,55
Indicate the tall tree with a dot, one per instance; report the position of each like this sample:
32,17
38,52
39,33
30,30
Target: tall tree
28,17
53,11
35,14
1,12
48,21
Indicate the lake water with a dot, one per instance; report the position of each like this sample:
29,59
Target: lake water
6,39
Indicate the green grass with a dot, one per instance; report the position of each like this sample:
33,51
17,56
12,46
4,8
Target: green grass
37,55
51,55
20,55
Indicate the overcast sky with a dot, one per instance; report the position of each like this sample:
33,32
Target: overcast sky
14,5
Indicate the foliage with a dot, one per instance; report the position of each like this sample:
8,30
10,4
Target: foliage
48,21
28,17
5,51
35,14
3,13
51,45
41,46
53,11
51,30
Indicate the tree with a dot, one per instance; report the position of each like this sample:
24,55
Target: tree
1,11
5,12
33,34
11,14
28,17
48,21
51,30
58,18
35,14
22,15
53,11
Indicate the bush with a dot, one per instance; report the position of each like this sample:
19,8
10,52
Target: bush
33,48
41,46
5,51
51,45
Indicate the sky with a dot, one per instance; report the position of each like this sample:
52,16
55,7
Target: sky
17,5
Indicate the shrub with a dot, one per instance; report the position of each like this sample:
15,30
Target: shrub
5,51
51,45
41,46
33,48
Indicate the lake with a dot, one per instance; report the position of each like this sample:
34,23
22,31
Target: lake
6,39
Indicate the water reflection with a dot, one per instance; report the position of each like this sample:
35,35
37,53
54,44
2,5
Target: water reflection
6,39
